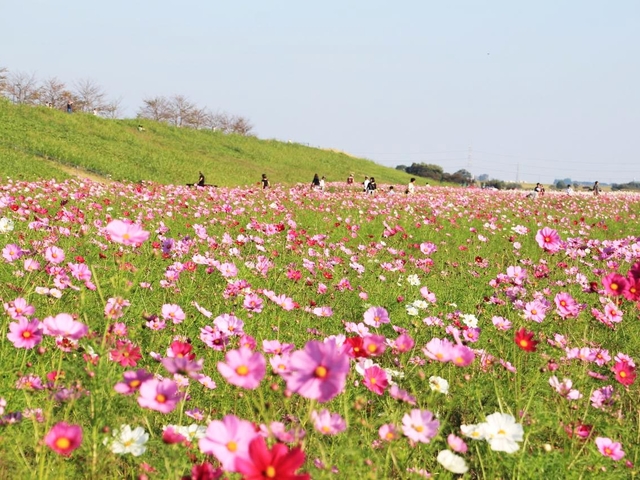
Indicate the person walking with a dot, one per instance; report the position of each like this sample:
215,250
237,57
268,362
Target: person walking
365,184
70,106
322,183
265,181
371,186
596,188
315,183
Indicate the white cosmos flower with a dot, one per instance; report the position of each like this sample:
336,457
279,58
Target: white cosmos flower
452,462
421,304
413,311
413,280
470,320
191,433
6,225
124,440
472,431
439,384
502,432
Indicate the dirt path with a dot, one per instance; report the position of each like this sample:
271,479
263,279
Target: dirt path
78,172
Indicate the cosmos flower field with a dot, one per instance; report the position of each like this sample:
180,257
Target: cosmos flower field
154,331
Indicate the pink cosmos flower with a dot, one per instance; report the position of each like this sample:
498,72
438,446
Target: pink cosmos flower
126,233
404,343
438,349
548,239
24,333
323,311
564,388
159,395
388,432
11,252
427,295
275,347
253,303
374,345
173,312
243,368
428,248
402,395
461,356
420,425
376,316
375,379
501,323
609,448
183,366
566,305
63,325
456,443
64,438
319,371
535,311
280,363
229,324
328,423
19,308
132,381
625,373
54,255
227,440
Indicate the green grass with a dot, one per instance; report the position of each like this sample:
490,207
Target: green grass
115,149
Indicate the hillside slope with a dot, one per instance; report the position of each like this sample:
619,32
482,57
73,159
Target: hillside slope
117,150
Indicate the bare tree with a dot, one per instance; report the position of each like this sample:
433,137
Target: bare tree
54,93
156,108
241,126
3,79
198,118
22,88
89,96
220,122
181,110
113,109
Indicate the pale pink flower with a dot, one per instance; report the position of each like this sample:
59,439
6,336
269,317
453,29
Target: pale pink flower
24,333
456,443
54,255
173,312
375,379
19,308
609,448
126,233
439,349
159,395
328,423
243,368
420,425
63,325
388,432
227,440
376,316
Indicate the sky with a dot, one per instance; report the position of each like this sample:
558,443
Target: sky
520,91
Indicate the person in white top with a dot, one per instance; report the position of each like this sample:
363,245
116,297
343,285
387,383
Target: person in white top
411,188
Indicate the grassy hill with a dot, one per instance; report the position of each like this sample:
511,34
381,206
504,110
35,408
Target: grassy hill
37,142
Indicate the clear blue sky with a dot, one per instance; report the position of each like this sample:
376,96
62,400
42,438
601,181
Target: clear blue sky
543,90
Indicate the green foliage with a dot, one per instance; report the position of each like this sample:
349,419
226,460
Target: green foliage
117,150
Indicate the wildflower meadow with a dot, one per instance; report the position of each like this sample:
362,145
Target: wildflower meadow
152,331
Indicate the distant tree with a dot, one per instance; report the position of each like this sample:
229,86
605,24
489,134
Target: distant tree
402,168
88,96
3,79
499,184
112,109
561,185
181,109
241,126
426,170
197,118
483,178
55,93
155,108
22,88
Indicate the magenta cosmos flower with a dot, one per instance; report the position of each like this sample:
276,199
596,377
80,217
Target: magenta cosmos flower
132,381
159,395
375,379
548,239
566,305
319,371
227,440
420,426
64,438
609,448
376,316
614,284
24,333
63,325
126,233
243,367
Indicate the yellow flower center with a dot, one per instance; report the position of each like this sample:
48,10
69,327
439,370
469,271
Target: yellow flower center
232,446
320,371
134,383
372,347
160,398
418,428
26,334
63,443
622,374
242,370
270,472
